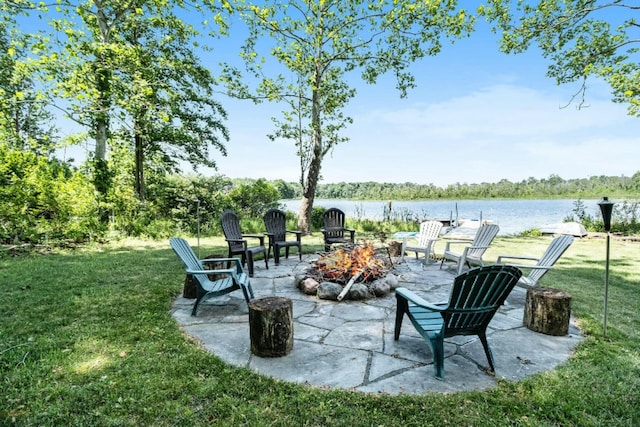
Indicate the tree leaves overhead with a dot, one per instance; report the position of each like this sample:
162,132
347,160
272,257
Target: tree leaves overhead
581,38
304,53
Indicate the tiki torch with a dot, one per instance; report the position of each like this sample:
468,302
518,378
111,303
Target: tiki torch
606,208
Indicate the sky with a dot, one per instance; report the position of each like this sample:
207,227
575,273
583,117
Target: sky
477,115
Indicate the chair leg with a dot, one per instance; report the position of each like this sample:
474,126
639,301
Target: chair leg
250,262
402,307
487,352
276,253
437,345
247,291
195,305
266,260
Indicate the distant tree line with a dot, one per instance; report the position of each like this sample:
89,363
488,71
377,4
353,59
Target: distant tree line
552,187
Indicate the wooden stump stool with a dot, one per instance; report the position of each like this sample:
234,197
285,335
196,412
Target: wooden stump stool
271,326
548,311
395,249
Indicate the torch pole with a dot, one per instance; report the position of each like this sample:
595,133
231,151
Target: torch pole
606,287
198,222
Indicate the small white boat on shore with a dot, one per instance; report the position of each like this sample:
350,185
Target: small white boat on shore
569,228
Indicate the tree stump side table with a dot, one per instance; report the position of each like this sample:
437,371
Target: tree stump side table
547,310
271,326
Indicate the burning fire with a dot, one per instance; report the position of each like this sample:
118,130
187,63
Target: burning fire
342,264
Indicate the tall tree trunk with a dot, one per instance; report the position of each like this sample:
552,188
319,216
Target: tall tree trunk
102,179
139,172
313,174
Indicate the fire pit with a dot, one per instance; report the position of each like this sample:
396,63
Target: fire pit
352,272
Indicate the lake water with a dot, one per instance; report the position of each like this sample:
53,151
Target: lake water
513,216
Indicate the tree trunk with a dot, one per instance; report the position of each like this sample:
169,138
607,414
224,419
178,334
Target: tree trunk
271,326
139,151
547,311
313,174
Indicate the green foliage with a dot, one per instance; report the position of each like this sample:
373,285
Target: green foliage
531,188
321,45
624,219
317,218
253,200
582,39
43,199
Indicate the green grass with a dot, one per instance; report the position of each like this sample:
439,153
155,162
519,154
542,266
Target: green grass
86,339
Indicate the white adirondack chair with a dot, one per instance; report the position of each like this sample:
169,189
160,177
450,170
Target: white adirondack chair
424,241
554,251
472,253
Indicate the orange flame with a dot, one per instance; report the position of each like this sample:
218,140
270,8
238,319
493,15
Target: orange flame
345,263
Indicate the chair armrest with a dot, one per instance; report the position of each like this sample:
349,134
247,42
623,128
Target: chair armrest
532,267
229,271
236,261
501,257
260,237
298,234
450,242
421,302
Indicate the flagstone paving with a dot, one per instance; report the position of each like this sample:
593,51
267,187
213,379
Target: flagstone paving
350,345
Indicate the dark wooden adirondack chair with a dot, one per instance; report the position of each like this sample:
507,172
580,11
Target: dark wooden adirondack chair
275,221
475,298
237,241
334,230
232,278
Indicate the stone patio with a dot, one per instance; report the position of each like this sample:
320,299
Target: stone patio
350,345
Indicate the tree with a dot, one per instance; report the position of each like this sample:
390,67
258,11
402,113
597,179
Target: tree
168,97
581,38
132,63
321,44
25,123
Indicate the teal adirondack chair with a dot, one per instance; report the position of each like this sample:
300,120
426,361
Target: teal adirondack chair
234,278
475,298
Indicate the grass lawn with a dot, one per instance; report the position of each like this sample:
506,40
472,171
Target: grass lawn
86,339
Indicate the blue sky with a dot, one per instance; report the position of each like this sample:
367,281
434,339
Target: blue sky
477,115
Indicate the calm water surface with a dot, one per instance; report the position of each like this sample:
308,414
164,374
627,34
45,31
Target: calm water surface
513,216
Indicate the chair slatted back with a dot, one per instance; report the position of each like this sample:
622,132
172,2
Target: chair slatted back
485,235
231,229
429,230
334,220
188,257
275,221
476,296
556,248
